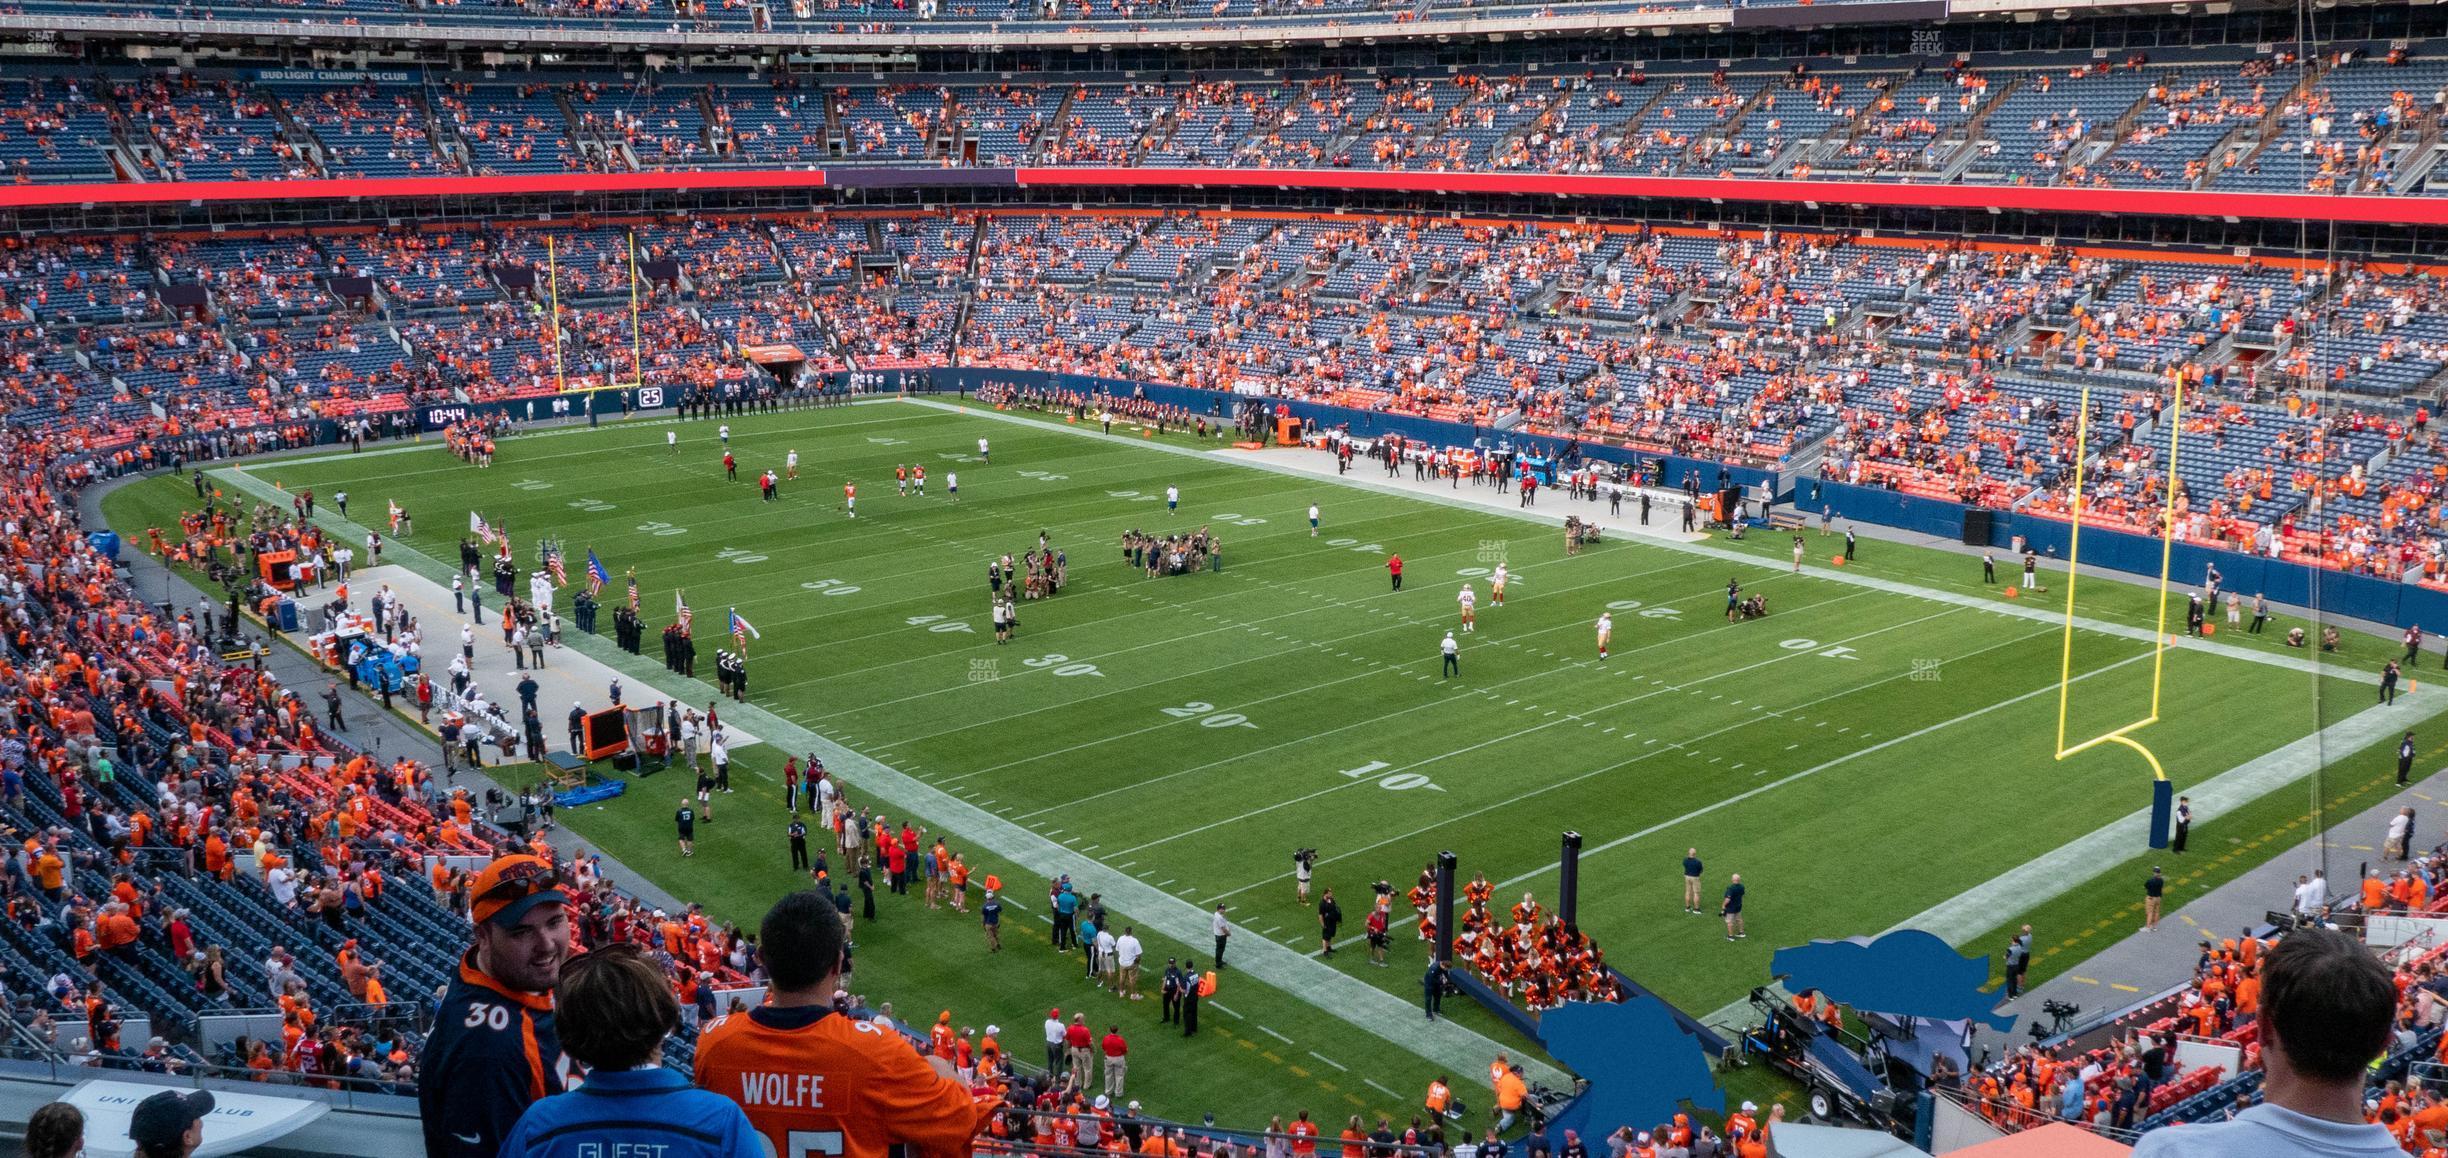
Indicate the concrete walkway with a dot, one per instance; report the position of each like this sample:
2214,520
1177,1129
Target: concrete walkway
569,676
384,734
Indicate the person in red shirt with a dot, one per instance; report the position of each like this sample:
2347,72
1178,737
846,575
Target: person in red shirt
1304,1136
1394,568
896,867
1076,1040
1117,1062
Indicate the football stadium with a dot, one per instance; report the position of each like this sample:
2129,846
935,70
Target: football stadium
1307,519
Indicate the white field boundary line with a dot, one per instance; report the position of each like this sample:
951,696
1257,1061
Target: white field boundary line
1981,908
1331,992
1815,570
1515,735
1647,753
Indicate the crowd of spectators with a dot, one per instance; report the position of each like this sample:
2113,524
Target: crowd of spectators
1946,370
2128,1076
2265,121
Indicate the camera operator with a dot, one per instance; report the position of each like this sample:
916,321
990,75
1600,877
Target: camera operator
1304,865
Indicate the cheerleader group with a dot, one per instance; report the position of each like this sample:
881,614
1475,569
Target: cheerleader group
1537,960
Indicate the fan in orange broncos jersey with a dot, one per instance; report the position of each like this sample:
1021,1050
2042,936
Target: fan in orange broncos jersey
816,1081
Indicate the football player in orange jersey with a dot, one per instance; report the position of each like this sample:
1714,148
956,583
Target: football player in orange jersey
816,1081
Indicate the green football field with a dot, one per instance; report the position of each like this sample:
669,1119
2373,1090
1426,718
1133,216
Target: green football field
1878,745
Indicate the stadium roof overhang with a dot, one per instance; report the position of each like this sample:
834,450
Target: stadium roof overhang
2173,203
1280,32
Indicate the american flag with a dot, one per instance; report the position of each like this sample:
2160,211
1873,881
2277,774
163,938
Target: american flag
633,591
503,532
552,563
681,608
596,575
478,527
742,630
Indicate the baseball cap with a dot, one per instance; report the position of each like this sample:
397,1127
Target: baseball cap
508,888
162,1120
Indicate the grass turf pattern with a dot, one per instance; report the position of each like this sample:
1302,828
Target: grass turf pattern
1858,755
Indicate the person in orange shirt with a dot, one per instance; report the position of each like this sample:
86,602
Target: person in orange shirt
48,869
1355,1139
796,1065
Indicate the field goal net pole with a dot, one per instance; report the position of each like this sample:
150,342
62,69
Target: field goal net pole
2162,791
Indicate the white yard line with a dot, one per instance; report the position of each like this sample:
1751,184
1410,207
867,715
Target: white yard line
1275,1035
1330,1061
